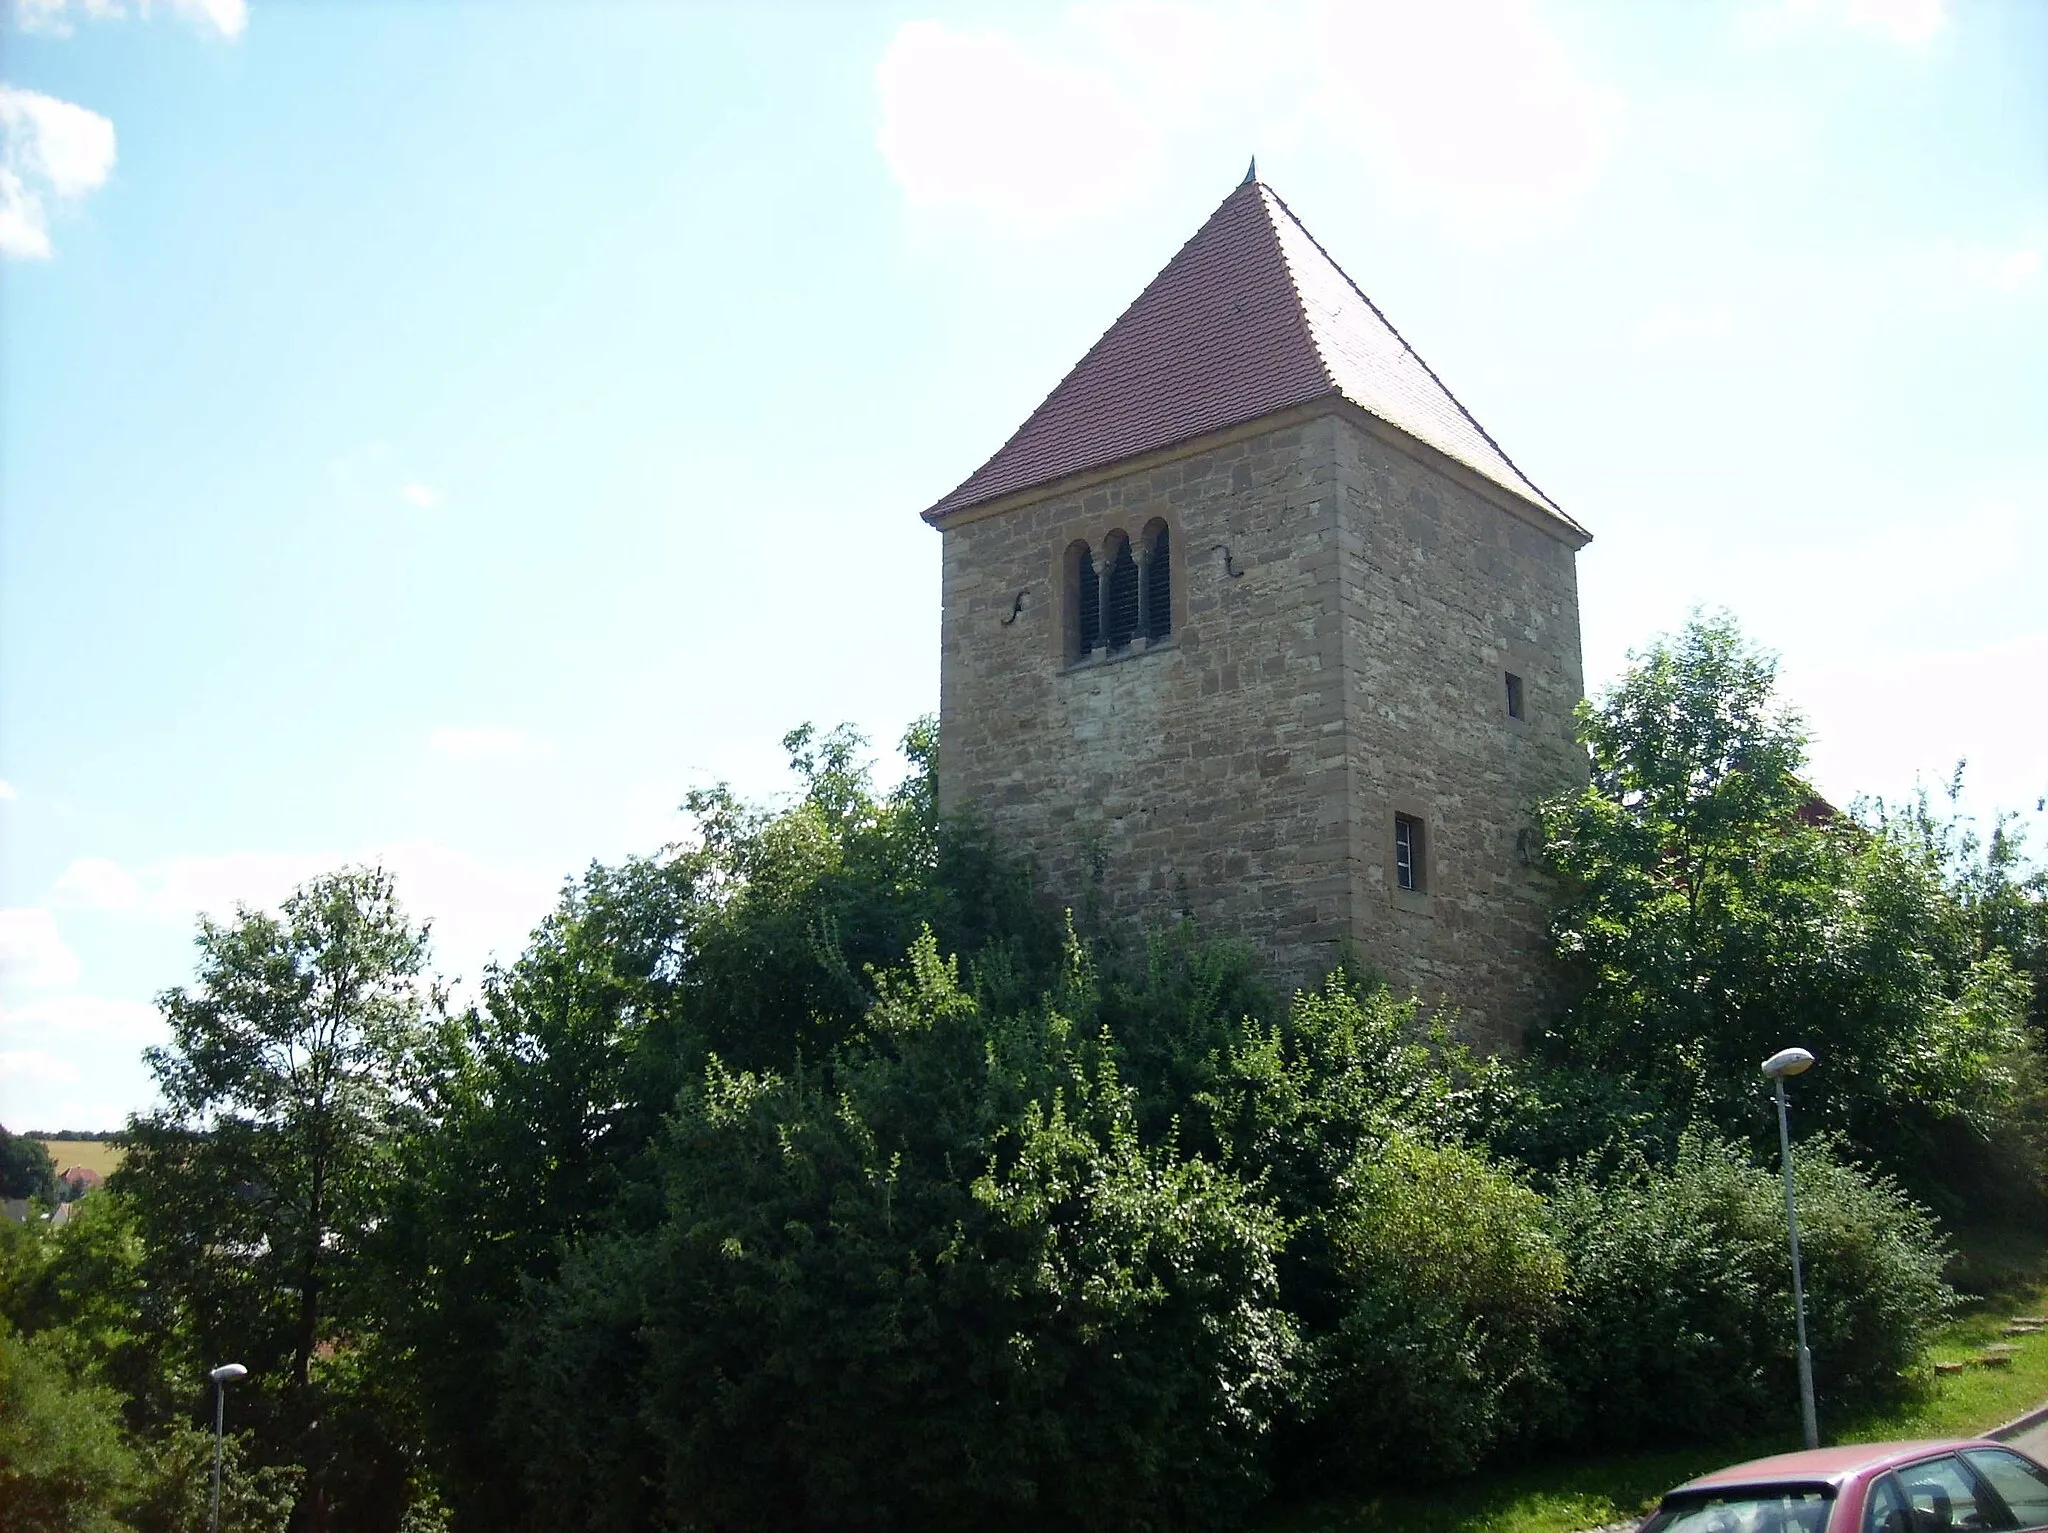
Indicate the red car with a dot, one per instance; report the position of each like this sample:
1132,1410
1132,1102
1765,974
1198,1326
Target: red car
1922,1487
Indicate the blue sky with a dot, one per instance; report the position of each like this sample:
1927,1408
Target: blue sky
446,433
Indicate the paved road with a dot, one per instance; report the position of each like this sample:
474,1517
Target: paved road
2033,1441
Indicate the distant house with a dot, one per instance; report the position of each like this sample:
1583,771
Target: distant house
77,1181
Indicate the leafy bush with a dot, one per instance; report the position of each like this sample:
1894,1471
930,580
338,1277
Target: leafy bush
939,1283
65,1466
1451,1280
1678,1322
26,1169
177,1489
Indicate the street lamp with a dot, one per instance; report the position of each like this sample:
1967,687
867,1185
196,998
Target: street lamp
222,1376
1781,1064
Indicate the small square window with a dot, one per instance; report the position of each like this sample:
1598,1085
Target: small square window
1408,852
1514,695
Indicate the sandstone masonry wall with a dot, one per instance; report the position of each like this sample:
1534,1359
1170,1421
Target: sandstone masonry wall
1247,771
1445,594
1205,774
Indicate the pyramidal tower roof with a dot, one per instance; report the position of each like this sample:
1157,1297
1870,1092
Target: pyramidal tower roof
1251,317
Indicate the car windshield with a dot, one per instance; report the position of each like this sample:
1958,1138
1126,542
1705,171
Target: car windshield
1738,1509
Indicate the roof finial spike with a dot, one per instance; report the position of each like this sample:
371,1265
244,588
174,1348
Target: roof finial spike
1251,172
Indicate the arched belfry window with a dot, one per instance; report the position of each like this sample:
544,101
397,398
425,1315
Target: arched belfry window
1120,601
1084,626
1158,615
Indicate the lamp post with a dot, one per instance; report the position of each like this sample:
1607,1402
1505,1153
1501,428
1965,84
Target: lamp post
1781,1064
222,1376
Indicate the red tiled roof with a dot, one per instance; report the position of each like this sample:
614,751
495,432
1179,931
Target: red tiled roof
1251,317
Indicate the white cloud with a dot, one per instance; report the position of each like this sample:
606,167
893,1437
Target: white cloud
1475,107
35,1067
8,792
48,149
178,890
33,953
985,121
1478,105
484,744
94,883
420,495
1910,24
53,1088
75,1018
478,908
228,18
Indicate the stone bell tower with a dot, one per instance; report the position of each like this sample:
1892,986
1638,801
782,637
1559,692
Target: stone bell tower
1252,621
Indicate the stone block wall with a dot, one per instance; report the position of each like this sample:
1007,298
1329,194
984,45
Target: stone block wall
1247,770
1445,594
1203,774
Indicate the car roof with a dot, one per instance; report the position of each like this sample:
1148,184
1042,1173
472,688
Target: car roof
1825,1466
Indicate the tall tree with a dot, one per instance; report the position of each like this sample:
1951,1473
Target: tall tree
305,1053
1715,910
26,1170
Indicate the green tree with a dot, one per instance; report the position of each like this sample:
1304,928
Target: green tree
82,1284
1999,889
570,1060
305,1055
936,1281
755,939
65,1465
1714,910
26,1169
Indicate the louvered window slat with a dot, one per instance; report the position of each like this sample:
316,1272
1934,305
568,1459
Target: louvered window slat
1089,637
1120,620
1158,589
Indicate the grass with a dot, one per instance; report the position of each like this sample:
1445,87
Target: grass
1564,1497
94,1154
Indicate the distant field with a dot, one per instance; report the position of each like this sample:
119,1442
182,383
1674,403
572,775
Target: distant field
94,1154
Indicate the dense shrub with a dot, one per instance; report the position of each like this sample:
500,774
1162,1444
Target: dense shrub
65,1466
1450,1281
1678,1321
937,1283
26,1169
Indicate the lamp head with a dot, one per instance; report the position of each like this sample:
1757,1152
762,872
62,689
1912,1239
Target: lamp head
227,1373
1788,1062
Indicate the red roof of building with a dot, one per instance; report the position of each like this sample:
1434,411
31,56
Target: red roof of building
1251,317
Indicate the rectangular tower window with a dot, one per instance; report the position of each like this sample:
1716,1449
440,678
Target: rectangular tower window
1407,851
1514,695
